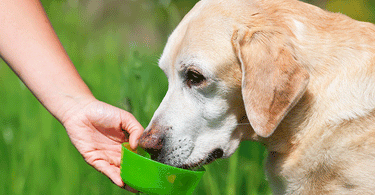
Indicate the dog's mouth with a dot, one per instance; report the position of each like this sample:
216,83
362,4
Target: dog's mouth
216,154
177,159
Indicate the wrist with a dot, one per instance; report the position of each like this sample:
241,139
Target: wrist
68,105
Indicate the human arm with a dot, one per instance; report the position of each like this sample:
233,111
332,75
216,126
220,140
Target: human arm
31,48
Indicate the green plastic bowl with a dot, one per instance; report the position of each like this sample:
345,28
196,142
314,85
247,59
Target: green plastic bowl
151,177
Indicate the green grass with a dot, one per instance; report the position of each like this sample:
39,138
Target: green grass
115,47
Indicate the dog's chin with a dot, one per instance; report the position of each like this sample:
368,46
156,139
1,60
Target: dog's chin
181,161
216,154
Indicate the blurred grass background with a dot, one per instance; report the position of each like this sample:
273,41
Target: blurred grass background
115,45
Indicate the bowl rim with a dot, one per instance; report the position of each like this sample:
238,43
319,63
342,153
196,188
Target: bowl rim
198,171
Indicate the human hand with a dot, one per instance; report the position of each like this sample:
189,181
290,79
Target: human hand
96,130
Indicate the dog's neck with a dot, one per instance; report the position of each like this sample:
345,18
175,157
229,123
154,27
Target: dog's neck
314,152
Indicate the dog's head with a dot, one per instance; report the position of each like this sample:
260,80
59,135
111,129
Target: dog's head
223,73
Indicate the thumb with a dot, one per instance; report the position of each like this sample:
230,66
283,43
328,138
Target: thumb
133,127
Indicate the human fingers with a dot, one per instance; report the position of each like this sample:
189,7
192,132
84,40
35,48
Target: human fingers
111,171
133,127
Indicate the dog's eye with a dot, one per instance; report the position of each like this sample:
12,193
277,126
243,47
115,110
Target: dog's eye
194,78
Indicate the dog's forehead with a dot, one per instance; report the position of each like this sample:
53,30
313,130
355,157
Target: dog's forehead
201,39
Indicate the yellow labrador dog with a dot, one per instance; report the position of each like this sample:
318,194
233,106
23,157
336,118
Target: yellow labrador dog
303,78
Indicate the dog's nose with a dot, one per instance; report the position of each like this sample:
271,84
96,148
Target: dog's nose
152,141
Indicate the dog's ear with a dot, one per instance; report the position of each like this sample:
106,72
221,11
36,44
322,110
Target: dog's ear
272,80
